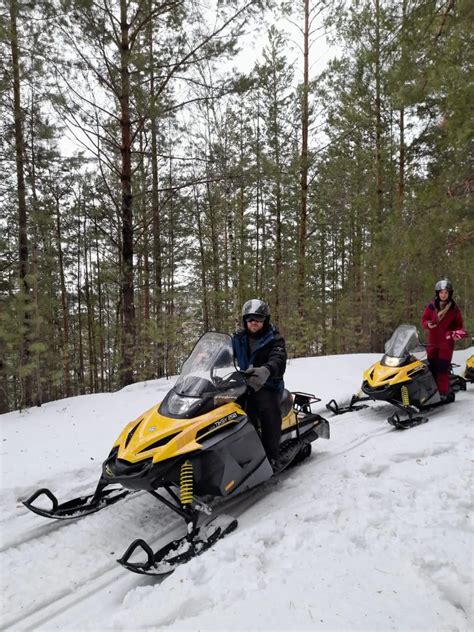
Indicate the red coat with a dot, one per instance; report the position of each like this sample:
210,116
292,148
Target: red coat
437,335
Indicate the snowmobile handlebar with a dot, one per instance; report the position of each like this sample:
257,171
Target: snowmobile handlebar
248,372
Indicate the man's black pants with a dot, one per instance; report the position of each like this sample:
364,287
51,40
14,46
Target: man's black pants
264,405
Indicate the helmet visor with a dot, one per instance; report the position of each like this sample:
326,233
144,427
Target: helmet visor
444,284
254,317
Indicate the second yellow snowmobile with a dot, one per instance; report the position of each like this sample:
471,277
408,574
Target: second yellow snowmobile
401,379
469,370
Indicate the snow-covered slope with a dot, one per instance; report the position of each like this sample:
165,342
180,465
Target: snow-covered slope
373,532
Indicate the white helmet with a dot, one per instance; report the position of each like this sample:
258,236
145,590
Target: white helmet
255,307
444,284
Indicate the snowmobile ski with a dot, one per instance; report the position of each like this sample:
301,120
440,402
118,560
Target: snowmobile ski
408,422
77,507
414,417
335,408
178,551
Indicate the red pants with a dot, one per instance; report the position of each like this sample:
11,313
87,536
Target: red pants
439,359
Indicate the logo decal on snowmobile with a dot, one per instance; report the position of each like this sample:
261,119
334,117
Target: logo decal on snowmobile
152,429
108,470
224,420
223,398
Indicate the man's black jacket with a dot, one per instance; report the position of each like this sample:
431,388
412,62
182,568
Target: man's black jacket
269,351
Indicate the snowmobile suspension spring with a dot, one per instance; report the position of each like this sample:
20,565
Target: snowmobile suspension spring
186,483
405,397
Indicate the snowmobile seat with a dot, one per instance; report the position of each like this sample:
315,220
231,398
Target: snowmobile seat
286,402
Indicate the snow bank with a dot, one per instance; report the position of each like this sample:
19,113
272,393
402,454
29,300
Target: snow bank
373,532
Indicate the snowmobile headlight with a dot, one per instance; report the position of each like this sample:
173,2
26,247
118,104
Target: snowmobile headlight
179,405
391,361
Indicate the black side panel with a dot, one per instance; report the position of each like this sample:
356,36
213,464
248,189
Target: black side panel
422,391
233,462
286,402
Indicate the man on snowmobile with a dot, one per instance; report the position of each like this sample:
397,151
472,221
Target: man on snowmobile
443,320
260,351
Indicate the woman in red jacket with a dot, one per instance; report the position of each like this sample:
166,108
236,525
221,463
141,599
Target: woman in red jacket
443,320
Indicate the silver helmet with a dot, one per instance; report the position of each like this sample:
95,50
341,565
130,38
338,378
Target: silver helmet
255,307
444,284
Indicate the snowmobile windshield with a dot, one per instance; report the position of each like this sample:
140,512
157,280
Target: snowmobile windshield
401,345
208,374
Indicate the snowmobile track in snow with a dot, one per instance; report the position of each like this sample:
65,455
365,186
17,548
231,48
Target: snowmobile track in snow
49,611
38,531
33,533
352,445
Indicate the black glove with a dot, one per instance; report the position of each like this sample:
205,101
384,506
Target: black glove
256,378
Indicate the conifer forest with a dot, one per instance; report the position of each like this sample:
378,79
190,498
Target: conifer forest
163,161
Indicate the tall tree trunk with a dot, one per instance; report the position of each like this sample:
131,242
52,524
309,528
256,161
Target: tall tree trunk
37,376
378,121
4,399
215,257
258,204
90,317
232,250
243,249
100,308
80,367
64,304
401,165
378,330
171,336
401,124
322,296
202,256
156,214
278,202
302,228
25,359
128,307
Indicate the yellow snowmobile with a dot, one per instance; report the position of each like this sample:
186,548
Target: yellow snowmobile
401,379
469,370
197,444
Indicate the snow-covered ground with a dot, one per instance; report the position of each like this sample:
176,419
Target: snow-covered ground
373,532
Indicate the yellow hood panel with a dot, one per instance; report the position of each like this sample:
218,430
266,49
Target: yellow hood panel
379,375
154,427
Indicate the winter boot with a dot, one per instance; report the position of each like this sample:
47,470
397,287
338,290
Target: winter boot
276,464
447,398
